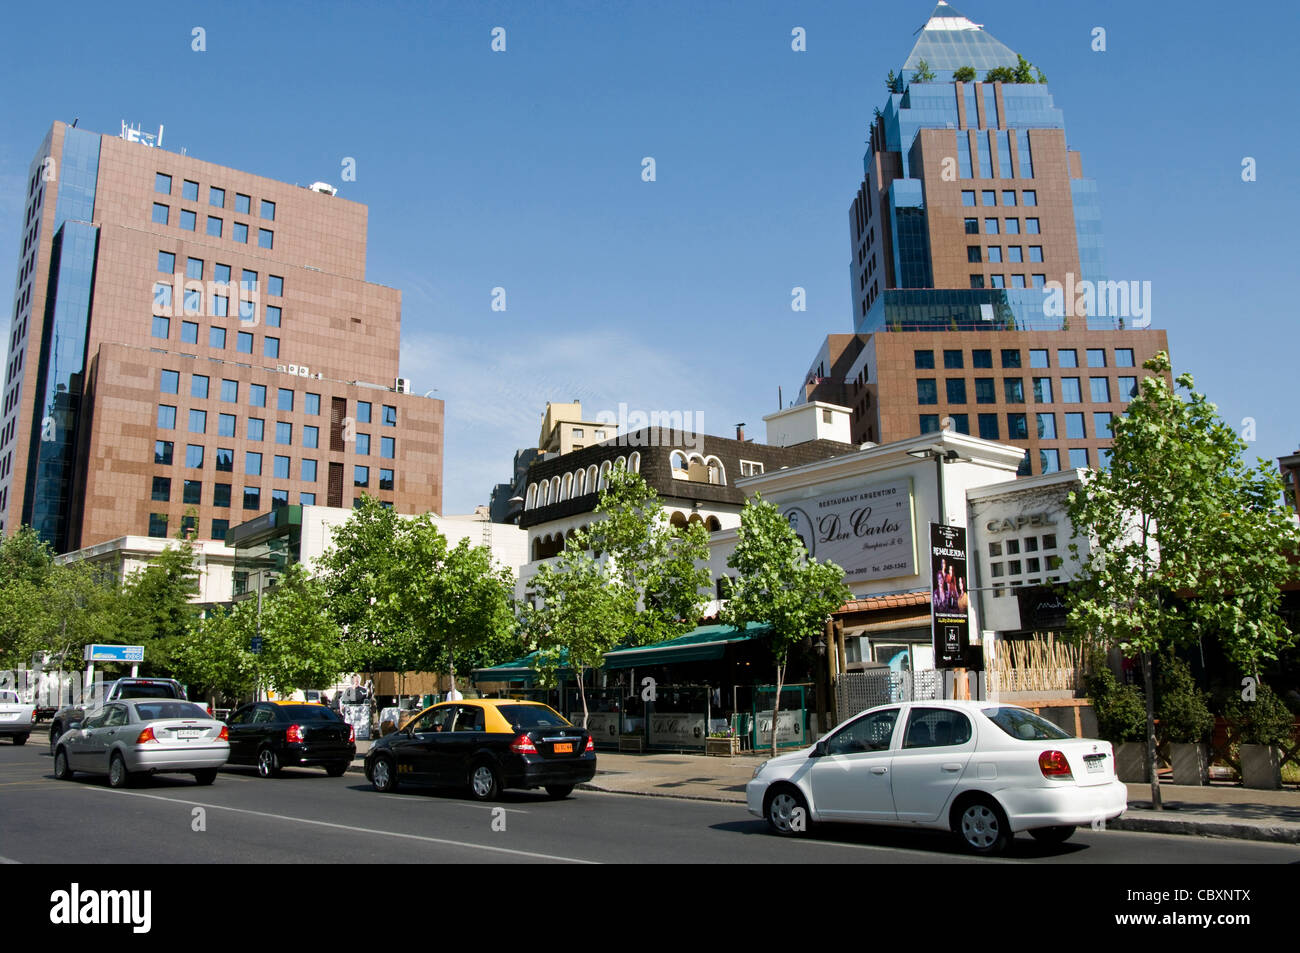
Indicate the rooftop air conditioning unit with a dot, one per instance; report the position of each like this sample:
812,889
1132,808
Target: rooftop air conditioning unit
402,385
324,188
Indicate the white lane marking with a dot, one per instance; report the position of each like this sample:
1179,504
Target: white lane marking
349,827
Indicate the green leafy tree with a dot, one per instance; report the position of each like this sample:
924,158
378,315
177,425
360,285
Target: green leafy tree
1000,74
923,72
650,557
302,646
1185,717
894,83
781,585
1185,541
964,74
216,653
157,606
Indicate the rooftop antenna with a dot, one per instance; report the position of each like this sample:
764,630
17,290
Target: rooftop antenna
75,121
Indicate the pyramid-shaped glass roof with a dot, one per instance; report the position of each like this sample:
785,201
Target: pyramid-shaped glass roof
949,41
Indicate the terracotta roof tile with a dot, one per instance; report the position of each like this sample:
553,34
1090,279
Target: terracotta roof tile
875,603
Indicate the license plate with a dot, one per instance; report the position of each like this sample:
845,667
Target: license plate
189,733
566,748
1096,765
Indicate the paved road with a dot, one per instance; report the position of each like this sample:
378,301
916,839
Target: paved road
306,817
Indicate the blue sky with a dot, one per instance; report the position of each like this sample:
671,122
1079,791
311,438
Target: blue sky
522,170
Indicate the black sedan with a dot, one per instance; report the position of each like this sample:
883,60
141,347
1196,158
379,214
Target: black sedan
486,746
289,734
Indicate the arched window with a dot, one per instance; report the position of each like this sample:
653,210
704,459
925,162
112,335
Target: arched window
678,520
620,463
604,475
591,478
580,483
713,524
532,497
677,462
695,518
566,491
537,549
717,473
634,462
555,489
545,493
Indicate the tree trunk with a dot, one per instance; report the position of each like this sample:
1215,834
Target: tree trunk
582,690
1148,689
776,703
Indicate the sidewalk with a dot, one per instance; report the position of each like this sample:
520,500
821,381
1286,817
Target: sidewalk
1217,810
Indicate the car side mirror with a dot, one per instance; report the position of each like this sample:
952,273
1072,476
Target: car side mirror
74,726
819,751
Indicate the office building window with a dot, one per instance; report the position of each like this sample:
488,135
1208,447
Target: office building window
279,498
169,382
1038,281
189,332
216,197
1035,252
225,425
166,262
1013,226
225,460
1096,357
1067,357
1031,197
162,327
214,226
361,476
248,312
989,197
194,456
1008,195
307,499
929,423
1013,390
162,489
363,444
239,232
1015,254
1031,226
1017,281
244,342
923,360
956,390
198,421
977,281
160,213
310,436
221,495
242,203
997,281
311,404
1049,461
973,254
158,525
989,427
1123,357
192,492
1074,427
252,498
199,386
1100,387
162,452
275,285
256,428
189,190
1025,469
162,183
284,399
271,347
248,279
281,467
387,447
972,226
961,423
272,316
1078,458
363,411
1128,388
385,479
268,210
1038,358
1046,426
252,463
1070,392
257,395
309,471
927,391
188,220
968,199
1017,427
230,391
284,433
990,226
984,391
390,415
220,528
995,254
981,357
952,360
265,238
1042,390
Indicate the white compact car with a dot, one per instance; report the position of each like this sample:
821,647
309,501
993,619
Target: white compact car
140,736
980,769
17,718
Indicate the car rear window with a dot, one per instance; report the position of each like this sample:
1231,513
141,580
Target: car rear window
308,713
532,716
161,690
8,698
1024,725
154,711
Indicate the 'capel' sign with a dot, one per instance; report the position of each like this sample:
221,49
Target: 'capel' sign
1027,519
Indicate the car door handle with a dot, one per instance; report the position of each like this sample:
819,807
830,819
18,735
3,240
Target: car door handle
951,767
879,770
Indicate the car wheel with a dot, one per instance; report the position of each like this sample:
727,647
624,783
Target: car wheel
484,782
118,776
206,776
55,732
268,765
558,791
383,775
61,770
787,811
1053,835
982,827
337,770
20,739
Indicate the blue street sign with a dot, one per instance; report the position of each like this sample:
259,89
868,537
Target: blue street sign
114,653
257,645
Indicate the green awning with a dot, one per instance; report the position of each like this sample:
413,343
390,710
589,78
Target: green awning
516,670
702,644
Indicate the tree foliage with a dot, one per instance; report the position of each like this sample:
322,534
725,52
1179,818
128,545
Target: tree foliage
923,73
1023,72
157,609
1184,540
781,585
964,74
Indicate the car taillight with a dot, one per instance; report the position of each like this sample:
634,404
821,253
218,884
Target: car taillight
523,745
293,734
591,744
1054,765
210,711
225,734
352,734
146,736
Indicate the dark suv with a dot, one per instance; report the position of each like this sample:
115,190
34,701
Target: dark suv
275,735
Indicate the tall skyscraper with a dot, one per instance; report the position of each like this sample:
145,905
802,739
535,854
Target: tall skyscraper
977,269
193,345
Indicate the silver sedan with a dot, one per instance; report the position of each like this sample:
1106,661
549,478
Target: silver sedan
143,736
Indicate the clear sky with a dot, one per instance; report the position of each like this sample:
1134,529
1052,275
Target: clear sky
523,170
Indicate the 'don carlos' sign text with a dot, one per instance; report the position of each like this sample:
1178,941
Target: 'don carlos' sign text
867,532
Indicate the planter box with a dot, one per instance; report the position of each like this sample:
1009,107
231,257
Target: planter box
1261,767
722,747
1131,765
1191,763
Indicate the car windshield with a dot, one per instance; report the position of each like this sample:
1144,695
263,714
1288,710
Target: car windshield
1024,725
156,711
159,690
308,713
532,716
